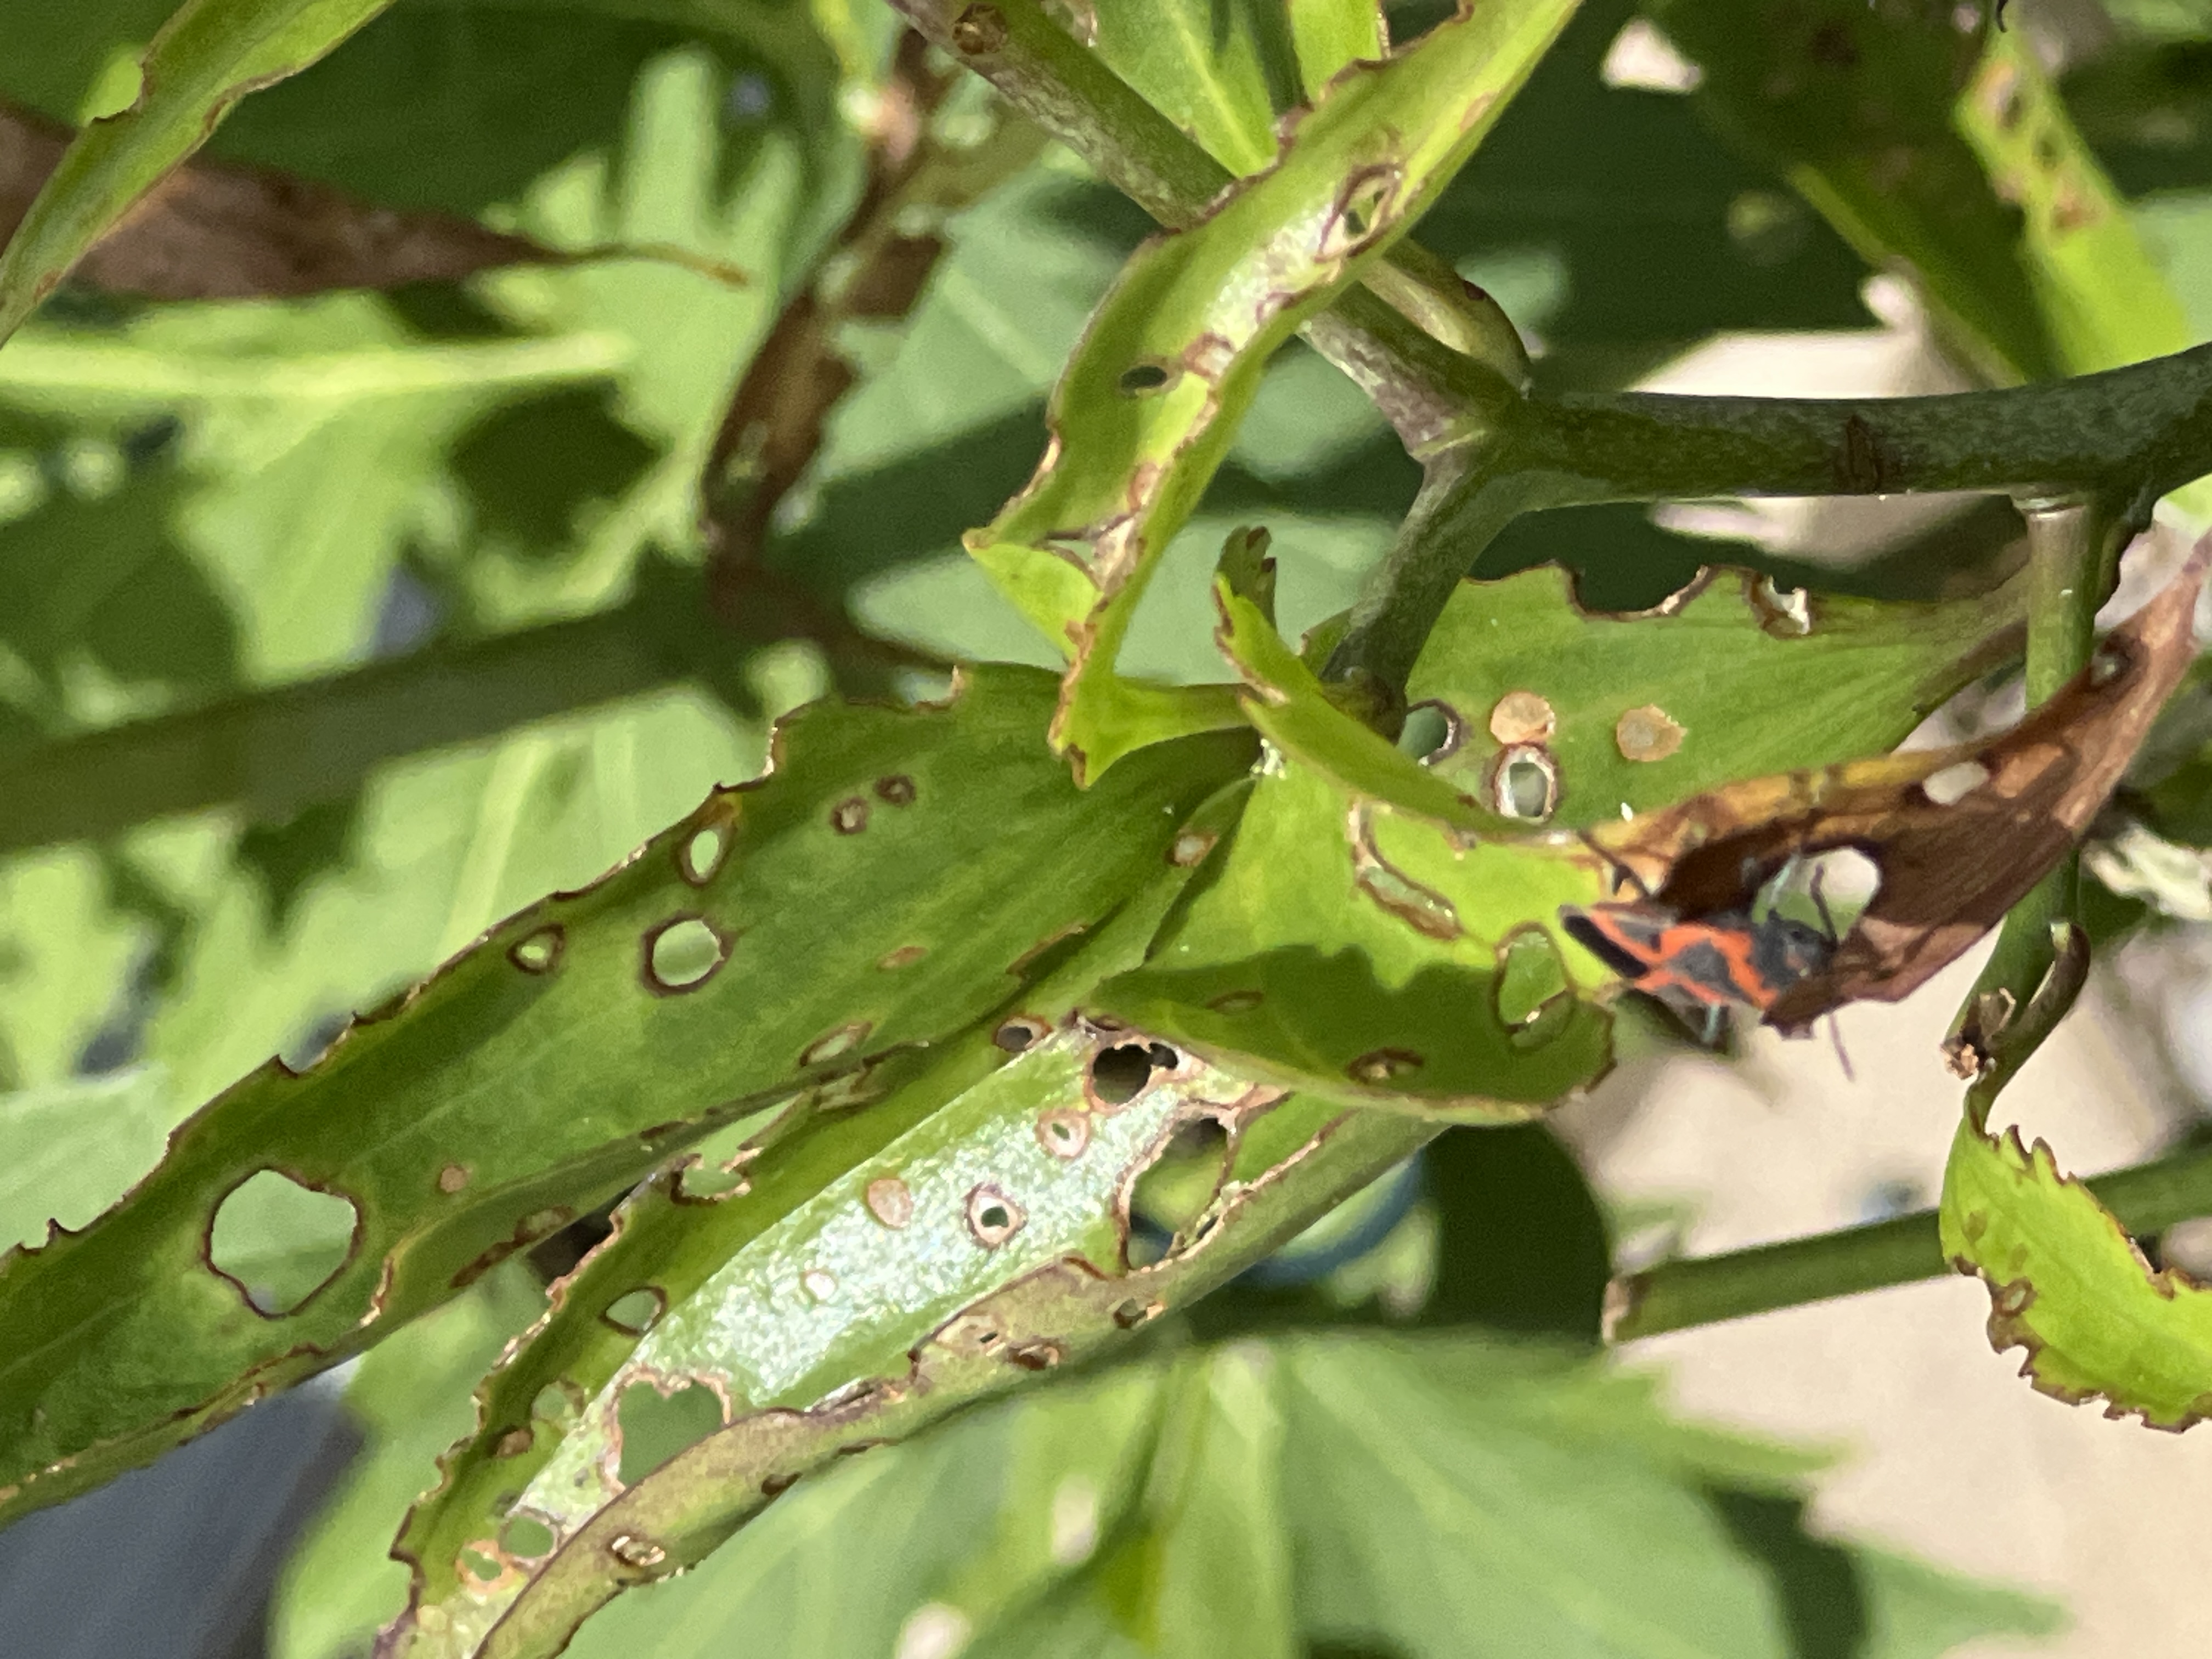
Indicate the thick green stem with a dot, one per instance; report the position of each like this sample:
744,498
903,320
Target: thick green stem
1707,1290
2120,439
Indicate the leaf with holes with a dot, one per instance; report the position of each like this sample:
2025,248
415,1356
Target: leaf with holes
677,1230
1957,835
1947,151
1370,957
207,56
820,1341
919,863
1147,407
1221,75
1554,714
1288,705
2067,1284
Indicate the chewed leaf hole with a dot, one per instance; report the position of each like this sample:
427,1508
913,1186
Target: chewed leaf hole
702,853
479,1564
280,1241
538,952
994,1216
557,1402
1019,1033
682,954
655,1426
1121,1074
635,1312
526,1538
1524,783
1140,377
1427,732
1953,783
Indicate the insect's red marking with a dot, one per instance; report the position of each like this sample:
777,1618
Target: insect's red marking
1699,966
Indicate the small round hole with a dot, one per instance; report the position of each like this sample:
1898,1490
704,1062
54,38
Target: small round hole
636,1312
1139,378
702,853
994,1216
538,952
683,955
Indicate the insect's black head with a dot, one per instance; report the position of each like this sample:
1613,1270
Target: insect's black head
1784,951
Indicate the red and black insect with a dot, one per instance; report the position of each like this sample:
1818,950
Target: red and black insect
1698,967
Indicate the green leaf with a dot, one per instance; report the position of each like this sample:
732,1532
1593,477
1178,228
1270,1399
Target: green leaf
1949,153
2068,1284
209,55
1287,705
1348,951
1026,1166
1219,73
410,1401
1146,411
1729,678
676,1235
1329,35
540,1070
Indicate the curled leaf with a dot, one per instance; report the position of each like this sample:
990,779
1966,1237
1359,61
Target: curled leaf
1957,835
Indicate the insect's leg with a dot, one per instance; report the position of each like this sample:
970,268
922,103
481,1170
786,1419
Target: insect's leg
1714,1015
1827,921
1843,1057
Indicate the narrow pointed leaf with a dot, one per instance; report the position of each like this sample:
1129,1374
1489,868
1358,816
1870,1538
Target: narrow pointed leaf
889,884
208,56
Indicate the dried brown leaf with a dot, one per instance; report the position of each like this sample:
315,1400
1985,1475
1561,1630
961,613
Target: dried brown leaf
217,230
1959,835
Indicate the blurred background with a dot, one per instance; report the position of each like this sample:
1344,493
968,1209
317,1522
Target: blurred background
204,502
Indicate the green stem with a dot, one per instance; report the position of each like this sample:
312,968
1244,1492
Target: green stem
1075,95
1706,1291
2121,439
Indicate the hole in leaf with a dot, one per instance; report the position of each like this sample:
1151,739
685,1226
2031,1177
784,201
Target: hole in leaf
1427,731
557,1402
994,1216
702,853
280,1241
683,955
1120,1074
479,1565
1141,377
635,1312
525,1537
1955,783
843,1041
1524,783
538,952
655,1426
1382,1065
1019,1033
1826,891
1063,1133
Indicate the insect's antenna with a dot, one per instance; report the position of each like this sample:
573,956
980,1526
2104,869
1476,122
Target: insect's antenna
1843,1057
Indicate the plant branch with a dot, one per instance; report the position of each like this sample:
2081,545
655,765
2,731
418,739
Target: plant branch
2121,439
1709,1290
1376,334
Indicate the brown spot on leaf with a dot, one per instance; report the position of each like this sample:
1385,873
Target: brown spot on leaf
1865,463
1522,717
1648,733
896,790
890,1201
452,1178
774,1486
849,817
1137,1311
1191,847
640,1553
905,957
1041,1355
1380,1065
513,1443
